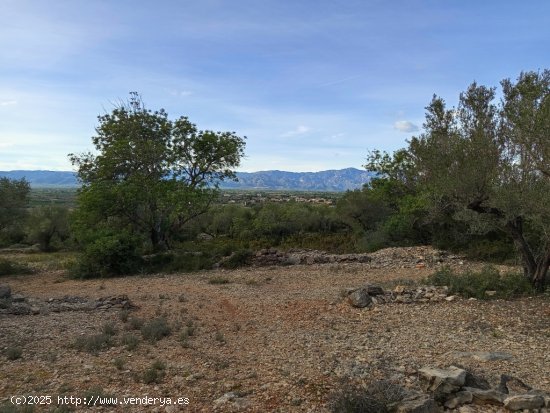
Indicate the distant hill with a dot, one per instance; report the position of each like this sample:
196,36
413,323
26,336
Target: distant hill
333,180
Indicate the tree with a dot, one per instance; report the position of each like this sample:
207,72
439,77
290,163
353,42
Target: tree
47,224
490,162
13,205
151,174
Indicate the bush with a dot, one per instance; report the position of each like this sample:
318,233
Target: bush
354,399
155,373
109,255
155,329
475,284
238,259
131,341
94,343
14,353
8,267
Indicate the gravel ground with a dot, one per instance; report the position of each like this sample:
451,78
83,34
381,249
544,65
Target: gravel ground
274,339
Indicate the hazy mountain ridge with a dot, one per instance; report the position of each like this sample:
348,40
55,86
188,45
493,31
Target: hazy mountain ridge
330,180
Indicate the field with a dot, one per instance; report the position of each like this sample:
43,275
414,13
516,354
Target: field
259,339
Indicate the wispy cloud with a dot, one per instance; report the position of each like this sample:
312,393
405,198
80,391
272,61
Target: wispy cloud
300,130
405,126
8,102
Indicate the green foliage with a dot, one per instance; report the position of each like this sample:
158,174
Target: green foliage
109,255
13,203
155,373
476,284
238,259
48,226
93,343
131,341
219,280
8,267
14,353
151,174
155,329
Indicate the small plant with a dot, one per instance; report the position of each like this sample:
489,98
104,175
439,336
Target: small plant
109,329
130,340
93,343
219,337
354,399
238,259
14,353
476,284
119,363
123,315
218,280
8,267
155,373
155,329
135,323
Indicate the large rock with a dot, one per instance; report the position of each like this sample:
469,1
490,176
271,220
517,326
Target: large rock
442,382
483,397
5,291
374,290
418,403
359,298
524,401
458,399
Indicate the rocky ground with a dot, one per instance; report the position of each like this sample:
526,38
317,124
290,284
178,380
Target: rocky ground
261,339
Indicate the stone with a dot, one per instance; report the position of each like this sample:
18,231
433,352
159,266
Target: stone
5,291
17,298
20,309
450,298
510,384
458,399
359,298
400,289
482,397
490,293
418,403
524,401
442,382
374,290
491,356
477,382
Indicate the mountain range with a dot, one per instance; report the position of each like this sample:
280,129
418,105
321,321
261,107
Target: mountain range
331,180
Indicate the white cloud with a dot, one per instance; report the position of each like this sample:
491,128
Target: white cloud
8,102
405,126
300,130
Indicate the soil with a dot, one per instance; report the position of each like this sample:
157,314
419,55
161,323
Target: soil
269,339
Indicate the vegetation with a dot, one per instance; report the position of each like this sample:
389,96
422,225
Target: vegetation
13,204
485,284
484,166
151,174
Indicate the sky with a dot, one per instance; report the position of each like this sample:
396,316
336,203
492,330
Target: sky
312,84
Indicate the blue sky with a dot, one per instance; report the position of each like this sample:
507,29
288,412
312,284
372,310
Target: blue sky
312,84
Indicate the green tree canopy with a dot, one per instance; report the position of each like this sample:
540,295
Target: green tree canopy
13,205
489,162
150,175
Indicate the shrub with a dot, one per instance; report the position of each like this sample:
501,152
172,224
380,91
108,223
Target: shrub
219,280
108,256
238,259
475,284
155,329
354,399
93,343
8,267
109,329
14,353
130,340
135,323
155,373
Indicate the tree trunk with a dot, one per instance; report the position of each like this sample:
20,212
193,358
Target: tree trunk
539,277
534,269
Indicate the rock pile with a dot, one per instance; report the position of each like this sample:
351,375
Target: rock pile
371,295
273,256
410,257
454,387
17,304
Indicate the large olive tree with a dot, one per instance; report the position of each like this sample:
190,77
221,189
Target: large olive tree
150,175
490,161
